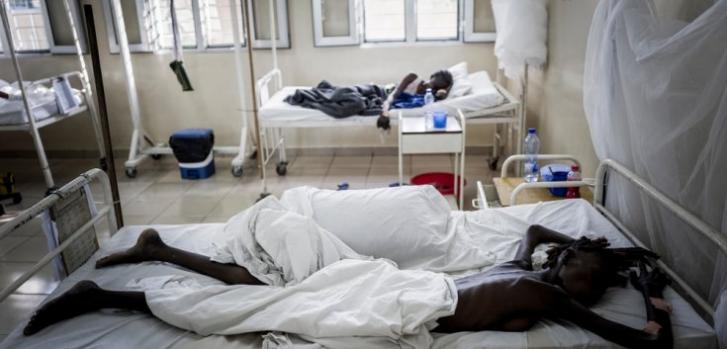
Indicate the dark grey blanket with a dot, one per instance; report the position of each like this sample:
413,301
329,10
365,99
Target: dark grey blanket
340,102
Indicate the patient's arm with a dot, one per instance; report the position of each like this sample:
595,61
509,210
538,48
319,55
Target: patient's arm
573,311
383,121
652,284
535,235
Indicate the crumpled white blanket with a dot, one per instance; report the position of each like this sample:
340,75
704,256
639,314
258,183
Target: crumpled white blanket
277,246
318,288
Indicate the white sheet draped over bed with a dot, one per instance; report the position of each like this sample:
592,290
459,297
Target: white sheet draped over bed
318,286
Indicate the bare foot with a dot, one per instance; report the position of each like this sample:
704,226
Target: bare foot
80,299
145,249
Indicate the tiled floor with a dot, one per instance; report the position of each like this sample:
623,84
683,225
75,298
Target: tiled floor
159,196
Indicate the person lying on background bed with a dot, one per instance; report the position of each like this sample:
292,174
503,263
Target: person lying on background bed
509,297
410,94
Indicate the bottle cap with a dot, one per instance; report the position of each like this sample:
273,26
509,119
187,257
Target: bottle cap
531,130
429,89
575,168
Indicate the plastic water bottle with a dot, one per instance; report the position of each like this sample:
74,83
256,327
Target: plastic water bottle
573,175
532,147
429,99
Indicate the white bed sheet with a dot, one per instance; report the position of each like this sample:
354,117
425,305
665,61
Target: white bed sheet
499,229
13,112
277,113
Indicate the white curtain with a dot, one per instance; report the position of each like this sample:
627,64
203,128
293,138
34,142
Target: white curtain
655,96
522,31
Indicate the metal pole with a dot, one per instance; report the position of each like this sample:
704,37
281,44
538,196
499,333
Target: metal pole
87,87
237,42
248,21
45,168
132,95
98,78
273,37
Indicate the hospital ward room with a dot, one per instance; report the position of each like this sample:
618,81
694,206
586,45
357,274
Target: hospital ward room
353,174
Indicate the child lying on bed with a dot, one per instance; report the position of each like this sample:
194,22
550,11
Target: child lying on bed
508,297
410,93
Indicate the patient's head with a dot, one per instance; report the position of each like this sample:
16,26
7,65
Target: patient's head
585,268
440,82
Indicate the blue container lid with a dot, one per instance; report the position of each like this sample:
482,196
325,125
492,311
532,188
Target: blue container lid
531,130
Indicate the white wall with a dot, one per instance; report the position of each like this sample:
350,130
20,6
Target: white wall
214,104
555,105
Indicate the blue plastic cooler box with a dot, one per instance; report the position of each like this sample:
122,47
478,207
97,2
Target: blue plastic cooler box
193,148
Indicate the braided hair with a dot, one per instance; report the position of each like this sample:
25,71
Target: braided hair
616,261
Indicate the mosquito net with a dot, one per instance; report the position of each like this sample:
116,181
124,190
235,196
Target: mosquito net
655,96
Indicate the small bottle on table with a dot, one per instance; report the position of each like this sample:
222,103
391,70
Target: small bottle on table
573,175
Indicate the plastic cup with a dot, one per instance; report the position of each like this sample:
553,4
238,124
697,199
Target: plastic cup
439,119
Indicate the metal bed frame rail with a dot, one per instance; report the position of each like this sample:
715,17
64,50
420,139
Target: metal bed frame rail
691,219
547,157
26,216
600,185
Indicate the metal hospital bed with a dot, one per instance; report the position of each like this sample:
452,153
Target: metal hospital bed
271,140
493,104
112,328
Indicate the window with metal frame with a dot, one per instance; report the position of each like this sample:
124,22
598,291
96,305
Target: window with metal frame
437,20
137,20
351,22
60,31
217,25
163,38
261,34
335,22
203,23
29,25
385,20
479,23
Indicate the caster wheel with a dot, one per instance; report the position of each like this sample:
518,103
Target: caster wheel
281,168
493,163
130,172
156,156
237,171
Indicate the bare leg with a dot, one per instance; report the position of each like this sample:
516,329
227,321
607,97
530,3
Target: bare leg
150,247
83,298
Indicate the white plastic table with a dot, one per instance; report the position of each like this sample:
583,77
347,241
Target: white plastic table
416,136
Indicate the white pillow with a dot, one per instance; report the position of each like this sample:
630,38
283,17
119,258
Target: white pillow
461,83
458,70
407,225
